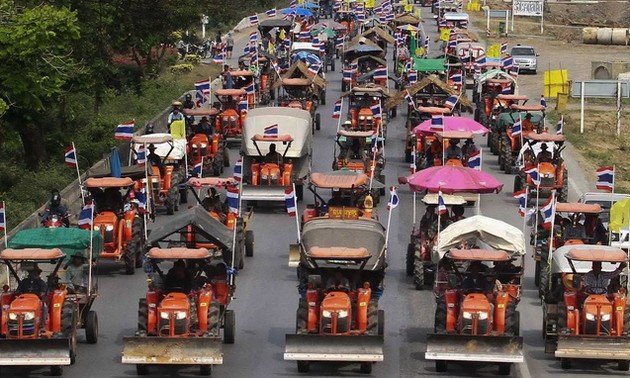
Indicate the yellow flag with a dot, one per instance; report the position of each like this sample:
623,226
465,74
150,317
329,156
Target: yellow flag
300,2
619,215
494,51
282,35
409,8
403,2
418,12
370,4
445,34
178,129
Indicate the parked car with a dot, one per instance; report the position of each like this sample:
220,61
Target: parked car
525,57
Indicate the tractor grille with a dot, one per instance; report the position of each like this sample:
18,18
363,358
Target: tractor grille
180,327
108,236
467,327
547,181
343,325
28,328
591,327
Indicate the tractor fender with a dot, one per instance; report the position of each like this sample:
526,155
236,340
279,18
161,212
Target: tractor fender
56,305
203,305
619,307
452,310
570,299
312,299
286,174
127,224
152,306
363,299
500,307
6,300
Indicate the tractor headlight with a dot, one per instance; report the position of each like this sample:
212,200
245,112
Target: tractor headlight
13,316
483,316
369,118
361,118
194,146
233,118
29,315
164,315
203,145
590,317
97,228
326,314
109,227
264,177
605,317
467,315
614,236
343,313
179,315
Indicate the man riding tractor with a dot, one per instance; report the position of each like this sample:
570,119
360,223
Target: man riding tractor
230,120
362,152
205,146
56,213
300,94
515,127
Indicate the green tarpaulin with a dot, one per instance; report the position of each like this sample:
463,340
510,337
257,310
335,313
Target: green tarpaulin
70,240
428,65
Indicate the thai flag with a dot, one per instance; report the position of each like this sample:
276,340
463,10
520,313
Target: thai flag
394,200
514,71
293,4
412,75
337,110
543,102
271,131
360,16
70,157
480,60
141,155
442,24
314,68
521,196
253,37
380,73
354,66
560,126
442,210
413,165
246,49
547,211
451,101
142,198
316,44
517,128
359,9
457,78
409,99
506,90
289,200
250,88
376,110
437,122
3,218
305,34
238,170
287,43
408,65
253,19
198,169
382,18
452,43
477,68
386,4
124,131
271,12
389,16
202,91
508,62
218,58
474,160
378,9
533,174
339,42
504,47
232,195
606,179
86,215
374,142
243,106
347,75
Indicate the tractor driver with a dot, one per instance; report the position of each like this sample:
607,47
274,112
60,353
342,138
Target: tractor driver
528,126
596,281
356,150
212,202
475,281
75,276
453,151
544,156
575,230
178,278
338,281
273,156
155,159
33,284
55,207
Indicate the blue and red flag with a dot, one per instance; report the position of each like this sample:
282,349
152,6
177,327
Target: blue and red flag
290,202
394,200
521,196
70,157
442,210
337,110
606,178
474,160
271,131
232,195
124,131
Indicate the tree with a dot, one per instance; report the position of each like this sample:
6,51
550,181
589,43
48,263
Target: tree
37,65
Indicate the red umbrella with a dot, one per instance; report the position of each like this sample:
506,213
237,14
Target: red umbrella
451,179
453,124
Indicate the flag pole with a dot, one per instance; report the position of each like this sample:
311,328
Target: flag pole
91,252
76,158
389,217
525,210
297,215
340,113
551,233
413,170
6,242
373,164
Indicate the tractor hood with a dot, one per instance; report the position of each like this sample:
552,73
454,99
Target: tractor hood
487,233
205,226
294,122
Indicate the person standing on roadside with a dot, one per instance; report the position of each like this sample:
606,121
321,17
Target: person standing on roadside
229,45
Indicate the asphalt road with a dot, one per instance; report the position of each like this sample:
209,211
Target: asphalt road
266,295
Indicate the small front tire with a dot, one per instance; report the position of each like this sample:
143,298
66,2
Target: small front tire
303,366
229,327
91,327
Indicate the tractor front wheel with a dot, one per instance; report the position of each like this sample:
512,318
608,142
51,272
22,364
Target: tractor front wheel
410,258
229,327
318,122
303,366
143,315
366,368
249,243
205,370
142,369
564,192
91,327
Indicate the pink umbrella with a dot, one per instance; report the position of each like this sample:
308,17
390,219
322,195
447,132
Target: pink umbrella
453,124
452,179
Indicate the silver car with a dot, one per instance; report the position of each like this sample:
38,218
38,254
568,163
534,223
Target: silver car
525,58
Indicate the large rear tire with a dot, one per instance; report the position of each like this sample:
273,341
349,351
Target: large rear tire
562,316
229,327
68,327
91,327
134,247
213,318
372,326
537,273
564,191
511,320
301,318
318,121
381,323
418,274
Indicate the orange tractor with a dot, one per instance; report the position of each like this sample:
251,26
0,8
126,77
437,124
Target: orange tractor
161,183
341,270
360,113
39,325
510,144
497,112
243,79
476,302
300,95
230,120
552,172
180,318
362,152
209,150
122,227
582,319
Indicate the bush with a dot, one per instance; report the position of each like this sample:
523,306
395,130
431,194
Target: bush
192,59
181,68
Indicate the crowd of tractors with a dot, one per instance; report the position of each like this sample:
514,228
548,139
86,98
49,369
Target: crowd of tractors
269,109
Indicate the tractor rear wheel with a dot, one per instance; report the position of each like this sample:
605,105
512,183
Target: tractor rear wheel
507,159
133,251
194,319
381,322
171,199
91,327
504,368
537,274
410,258
303,366
226,157
511,320
626,321
372,326
323,99
418,273
68,327
366,368
249,243
518,183
301,318
213,318
439,323
143,315
205,370
229,326
562,317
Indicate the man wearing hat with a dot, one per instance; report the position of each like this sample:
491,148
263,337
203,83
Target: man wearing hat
453,151
155,159
528,126
544,156
33,284
75,276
